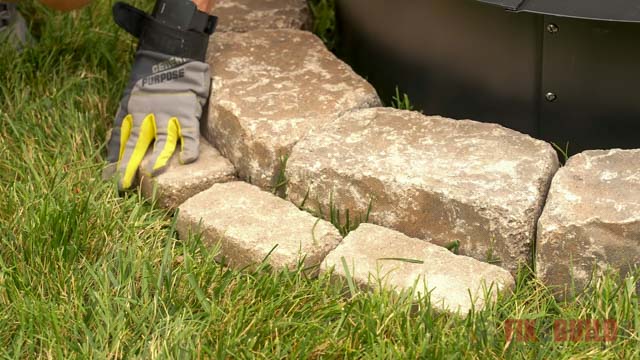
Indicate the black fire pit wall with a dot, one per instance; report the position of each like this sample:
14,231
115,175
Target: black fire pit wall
563,71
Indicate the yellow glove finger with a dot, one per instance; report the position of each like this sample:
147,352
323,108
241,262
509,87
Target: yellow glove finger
136,146
164,147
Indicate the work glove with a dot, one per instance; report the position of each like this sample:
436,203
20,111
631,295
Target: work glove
168,88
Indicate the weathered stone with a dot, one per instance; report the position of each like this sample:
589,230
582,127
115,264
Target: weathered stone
270,88
375,255
180,182
250,224
591,220
249,15
429,177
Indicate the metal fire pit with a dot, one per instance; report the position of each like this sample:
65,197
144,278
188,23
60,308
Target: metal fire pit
559,70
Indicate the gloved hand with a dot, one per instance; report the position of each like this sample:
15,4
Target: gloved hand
168,88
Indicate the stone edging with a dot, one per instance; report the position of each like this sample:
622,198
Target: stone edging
279,94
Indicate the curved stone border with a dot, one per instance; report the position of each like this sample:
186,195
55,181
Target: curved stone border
478,188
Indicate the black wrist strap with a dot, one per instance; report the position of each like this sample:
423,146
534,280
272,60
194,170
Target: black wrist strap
190,42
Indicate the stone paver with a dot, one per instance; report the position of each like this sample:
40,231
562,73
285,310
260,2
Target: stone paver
591,219
429,177
248,15
270,88
180,182
251,223
373,253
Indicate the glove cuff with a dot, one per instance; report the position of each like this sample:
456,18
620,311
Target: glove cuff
177,28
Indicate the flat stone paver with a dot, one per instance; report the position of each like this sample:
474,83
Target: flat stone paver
375,255
591,220
180,182
270,88
431,178
250,223
248,15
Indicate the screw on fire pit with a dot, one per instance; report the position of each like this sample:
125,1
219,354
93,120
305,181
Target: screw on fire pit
552,28
551,97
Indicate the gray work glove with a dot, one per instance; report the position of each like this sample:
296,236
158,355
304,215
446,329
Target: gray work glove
163,104
164,100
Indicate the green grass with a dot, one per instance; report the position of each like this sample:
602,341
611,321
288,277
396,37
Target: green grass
401,102
281,181
345,223
324,21
85,273
563,152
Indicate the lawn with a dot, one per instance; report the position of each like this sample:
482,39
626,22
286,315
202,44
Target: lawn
86,273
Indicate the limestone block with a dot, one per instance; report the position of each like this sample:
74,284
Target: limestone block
432,178
180,182
591,220
270,88
375,255
250,224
